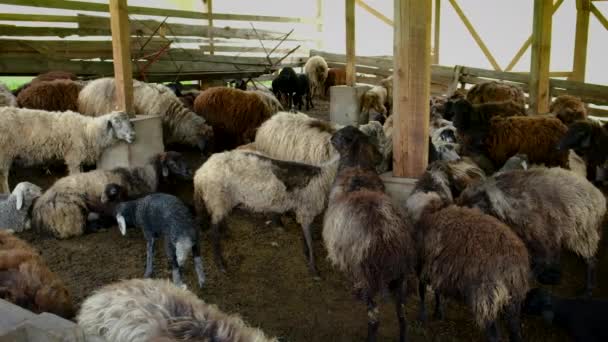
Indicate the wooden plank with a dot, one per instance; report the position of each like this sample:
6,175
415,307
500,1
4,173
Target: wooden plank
597,112
122,56
374,12
351,76
499,75
379,62
541,57
599,16
579,63
39,17
363,69
411,93
162,12
437,32
210,22
475,35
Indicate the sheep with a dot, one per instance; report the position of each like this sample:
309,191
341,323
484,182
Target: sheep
316,68
261,184
14,211
285,85
501,138
364,233
335,77
585,320
164,215
7,99
142,310
101,208
234,115
387,83
568,109
36,136
520,162
481,114
549,209
589,140
58,95
446,110
496,92
303,90
25,279
62,209
374,99
47,77
270,100
466,254
180,125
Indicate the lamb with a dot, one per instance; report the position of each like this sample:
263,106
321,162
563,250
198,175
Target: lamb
589,140
25,280
62,209
101,209
374,99
465,254
58,95
14,211
303,90
496,92
36,136
585,320
164,215
261,184
7,99
180,125
142,310
568,109
549,209
234,115
335,77
285,85
501,138
316,68
364,233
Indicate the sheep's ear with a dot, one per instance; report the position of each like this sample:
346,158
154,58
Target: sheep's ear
165,171
109,127
122,225
19,195
524,165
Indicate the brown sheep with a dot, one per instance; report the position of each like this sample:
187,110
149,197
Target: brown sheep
46,77
496,92
234,115
26,281
335,76
58,95
568,109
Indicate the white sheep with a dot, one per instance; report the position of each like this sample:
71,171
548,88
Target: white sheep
180,124
316,68
7,99
375,99
36,136
142,310
14,209
262,184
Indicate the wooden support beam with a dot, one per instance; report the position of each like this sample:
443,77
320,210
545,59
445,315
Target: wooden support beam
210,23
599,16
412,80
320,19
437,32
374,12
351,76
119,18
583,11
475,35
541,57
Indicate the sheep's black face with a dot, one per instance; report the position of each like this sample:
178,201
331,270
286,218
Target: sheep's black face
460,112
345,139
355,148
578,137
173,164
537,301
112,193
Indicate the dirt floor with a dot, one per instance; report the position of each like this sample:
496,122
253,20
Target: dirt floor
267,281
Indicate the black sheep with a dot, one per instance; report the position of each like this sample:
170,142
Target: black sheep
302,90
588,140
285,84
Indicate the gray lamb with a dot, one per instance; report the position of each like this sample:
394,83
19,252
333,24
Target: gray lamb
15,208
164,215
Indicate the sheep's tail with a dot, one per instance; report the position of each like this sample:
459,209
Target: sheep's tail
182,250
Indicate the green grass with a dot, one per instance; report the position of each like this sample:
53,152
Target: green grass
13,82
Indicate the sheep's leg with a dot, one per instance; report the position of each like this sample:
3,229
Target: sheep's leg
198,265
276,221
176,270
308,250
399,294
217,248
422,294
4,172
149,257
492,332
439,311
591,275
513,318
373,321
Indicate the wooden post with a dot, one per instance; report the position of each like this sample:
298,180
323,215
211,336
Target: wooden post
583,12
210,20
351,76
319,21
437,32
412,82
541,57
121,49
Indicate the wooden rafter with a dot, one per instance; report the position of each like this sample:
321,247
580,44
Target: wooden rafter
599,16
374,12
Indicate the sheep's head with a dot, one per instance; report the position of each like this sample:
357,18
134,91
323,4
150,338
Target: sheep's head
516,162
26,192
579,137
121,126
355,149
173,164
539,302
460,112
113,193
55,298
204,137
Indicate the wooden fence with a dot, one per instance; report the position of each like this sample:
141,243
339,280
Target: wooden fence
156,45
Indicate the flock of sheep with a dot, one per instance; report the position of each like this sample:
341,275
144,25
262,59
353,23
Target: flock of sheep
505,192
